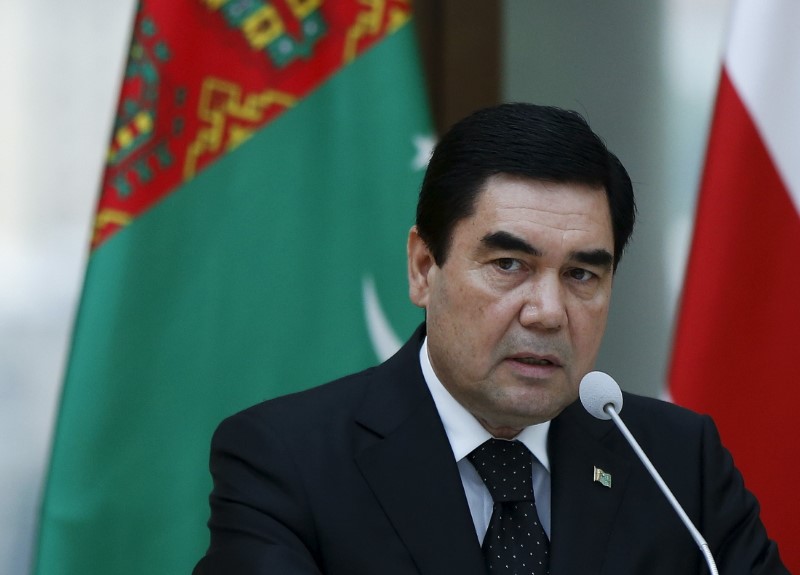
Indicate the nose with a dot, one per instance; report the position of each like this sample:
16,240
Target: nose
544,307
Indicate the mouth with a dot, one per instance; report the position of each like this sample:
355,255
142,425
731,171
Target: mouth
537,360
533,361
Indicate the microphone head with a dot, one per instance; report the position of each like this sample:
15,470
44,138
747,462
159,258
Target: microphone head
597,390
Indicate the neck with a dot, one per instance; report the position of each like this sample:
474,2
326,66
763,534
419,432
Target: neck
500,432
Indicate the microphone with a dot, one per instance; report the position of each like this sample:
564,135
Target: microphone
602,398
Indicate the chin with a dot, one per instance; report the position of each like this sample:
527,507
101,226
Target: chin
519,421
541,414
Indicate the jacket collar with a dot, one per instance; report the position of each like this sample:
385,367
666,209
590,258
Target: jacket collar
411,468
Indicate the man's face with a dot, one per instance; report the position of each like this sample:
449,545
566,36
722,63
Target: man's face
516,313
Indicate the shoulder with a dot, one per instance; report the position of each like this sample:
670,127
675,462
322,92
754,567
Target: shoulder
671,435
325,409
665,427
645,415
657,414
318,408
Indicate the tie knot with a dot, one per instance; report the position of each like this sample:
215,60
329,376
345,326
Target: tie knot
505,467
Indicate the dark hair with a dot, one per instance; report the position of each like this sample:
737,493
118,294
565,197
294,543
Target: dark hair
536,142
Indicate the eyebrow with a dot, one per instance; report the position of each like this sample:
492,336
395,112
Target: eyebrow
510,242
599,258
506,241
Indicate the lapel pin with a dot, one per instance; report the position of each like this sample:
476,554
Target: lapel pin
602,477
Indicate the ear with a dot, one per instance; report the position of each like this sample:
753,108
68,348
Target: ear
420,266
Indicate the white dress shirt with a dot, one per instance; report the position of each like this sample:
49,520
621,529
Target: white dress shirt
465,433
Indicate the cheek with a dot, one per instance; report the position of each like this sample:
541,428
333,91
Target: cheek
469,321
464,301
588,322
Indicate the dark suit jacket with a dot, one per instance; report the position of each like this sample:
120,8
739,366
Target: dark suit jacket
357,477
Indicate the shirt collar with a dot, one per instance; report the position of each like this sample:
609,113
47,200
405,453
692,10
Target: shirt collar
463,431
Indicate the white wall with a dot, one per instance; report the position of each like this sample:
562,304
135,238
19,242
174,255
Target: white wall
60,64
644,73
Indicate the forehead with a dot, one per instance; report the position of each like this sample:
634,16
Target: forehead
529,208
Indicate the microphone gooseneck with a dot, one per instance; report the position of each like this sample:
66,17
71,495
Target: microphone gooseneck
602,398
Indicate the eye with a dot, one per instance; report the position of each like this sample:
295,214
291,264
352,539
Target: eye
581,275
507,264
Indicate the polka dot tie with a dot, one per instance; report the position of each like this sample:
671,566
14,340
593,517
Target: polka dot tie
515,543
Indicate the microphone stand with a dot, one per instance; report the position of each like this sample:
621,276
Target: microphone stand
701,542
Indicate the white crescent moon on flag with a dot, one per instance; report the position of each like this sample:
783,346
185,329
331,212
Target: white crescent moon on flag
383,338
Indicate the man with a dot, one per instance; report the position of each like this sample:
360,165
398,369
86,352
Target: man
522,219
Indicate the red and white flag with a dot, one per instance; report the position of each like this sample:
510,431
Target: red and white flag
737,346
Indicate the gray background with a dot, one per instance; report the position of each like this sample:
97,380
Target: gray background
645,75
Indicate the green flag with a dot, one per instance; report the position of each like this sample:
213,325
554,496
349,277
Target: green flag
250,242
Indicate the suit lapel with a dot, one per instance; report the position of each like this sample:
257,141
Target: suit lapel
412,472
583,510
